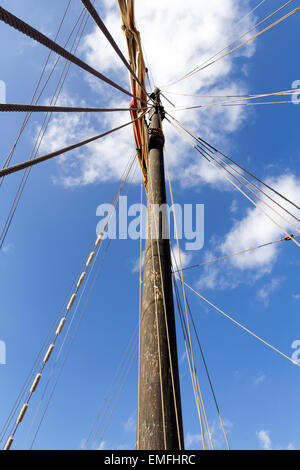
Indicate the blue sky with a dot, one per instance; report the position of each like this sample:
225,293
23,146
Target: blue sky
56,221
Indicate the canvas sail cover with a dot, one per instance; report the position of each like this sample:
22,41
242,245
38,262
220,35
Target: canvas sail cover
137,63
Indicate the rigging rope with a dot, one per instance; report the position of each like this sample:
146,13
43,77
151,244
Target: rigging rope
124,181
115,202
9,107
188,353
166,326
240,190
202,141
203,152
237,101
33,33
83,279
203,66
35,161
118,396
82,22
209,379
27,117
93,12
118,373
43,349
251,38
239,252
243,327
202,148
189,336
140,313
240,97
250,12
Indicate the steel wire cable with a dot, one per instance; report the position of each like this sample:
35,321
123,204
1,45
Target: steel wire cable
124,179
94,14
188,353
106,397
42,367
131,166
185,268
82,22
192,365
243,327
200,140
211,162
205,65
239,101
12,107
28,115
28,30
34,161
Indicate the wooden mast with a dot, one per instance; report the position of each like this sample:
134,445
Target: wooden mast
159,414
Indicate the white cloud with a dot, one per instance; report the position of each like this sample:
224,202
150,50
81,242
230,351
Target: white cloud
255,229
137,262
103,446
260,378
192,440
266,443
204,29
217,433
234,206
130,424
264,439
296,296
185,257
96,161
291,446
251,230
183,357
267,290
219,275
8,247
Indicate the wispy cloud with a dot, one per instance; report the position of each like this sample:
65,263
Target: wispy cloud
234,206
255,229
251,230
130,424
183,357
260,378
217,433
8,247
192,440
265,441
267,290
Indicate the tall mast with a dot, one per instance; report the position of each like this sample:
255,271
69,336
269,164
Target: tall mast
159,411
